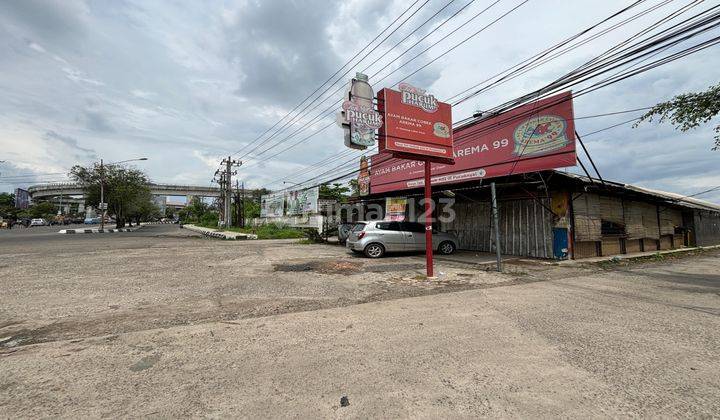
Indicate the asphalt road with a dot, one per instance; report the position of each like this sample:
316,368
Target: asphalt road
40,235
156,324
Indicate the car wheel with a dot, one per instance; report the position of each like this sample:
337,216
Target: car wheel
374,251
446,248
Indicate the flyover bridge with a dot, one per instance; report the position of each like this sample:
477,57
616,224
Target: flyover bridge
48,191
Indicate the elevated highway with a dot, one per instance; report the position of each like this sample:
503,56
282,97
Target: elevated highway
48,191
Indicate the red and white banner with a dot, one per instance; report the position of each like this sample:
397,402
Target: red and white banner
414,122
533,137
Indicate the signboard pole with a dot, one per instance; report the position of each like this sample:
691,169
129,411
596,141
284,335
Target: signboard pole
428,223
496,223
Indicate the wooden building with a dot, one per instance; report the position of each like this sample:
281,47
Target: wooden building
554,214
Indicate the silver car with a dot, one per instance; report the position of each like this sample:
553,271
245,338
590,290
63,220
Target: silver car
376,238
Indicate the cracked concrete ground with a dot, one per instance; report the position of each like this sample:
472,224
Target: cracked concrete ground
159,323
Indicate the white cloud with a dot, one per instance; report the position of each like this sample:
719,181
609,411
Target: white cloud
190,83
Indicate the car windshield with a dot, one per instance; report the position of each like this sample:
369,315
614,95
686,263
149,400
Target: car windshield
358,227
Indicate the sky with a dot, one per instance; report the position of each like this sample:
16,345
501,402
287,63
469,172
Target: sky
186,83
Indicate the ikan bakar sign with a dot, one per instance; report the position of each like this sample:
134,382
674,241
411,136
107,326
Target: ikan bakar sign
533,137
415,123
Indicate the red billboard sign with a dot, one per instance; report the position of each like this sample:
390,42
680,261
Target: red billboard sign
415,123
533,137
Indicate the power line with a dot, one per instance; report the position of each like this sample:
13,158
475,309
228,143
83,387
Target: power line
677,55
281,129
332,106
551,48
331,77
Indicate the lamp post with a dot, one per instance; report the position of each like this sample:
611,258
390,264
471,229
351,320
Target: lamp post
102,187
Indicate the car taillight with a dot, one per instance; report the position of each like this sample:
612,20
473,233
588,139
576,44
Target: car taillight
361,234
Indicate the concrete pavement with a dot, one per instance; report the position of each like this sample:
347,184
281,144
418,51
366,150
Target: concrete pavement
161,341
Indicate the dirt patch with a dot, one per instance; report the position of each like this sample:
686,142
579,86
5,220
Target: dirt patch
322,267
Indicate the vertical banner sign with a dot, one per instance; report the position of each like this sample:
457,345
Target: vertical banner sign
358,117
22,198
415,123
302,201
395,209
364,178
272,205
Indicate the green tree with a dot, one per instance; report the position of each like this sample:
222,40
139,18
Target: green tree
194,211
143,208
252,209
688,111
125,189
354,187
336,191
41,210
7,199
169,213
7,206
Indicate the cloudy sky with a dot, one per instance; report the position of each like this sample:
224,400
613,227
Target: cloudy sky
185,83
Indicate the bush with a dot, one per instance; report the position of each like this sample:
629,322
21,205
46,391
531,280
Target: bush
209,219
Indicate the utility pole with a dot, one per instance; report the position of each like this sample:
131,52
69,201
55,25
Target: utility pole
227,187
102,196
240,203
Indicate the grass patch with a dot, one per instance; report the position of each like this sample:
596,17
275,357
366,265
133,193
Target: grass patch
271,231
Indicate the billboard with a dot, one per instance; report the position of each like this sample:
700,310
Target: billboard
302,201
272,205
415,123
22,198
532,137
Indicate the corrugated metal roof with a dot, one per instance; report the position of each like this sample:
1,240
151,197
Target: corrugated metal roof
671,198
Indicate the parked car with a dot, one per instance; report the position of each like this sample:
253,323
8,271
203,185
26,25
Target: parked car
92,220
375,238
38,222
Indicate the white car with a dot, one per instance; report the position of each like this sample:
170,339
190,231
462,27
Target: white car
38,222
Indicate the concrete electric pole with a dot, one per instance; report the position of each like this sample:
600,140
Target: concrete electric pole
227,188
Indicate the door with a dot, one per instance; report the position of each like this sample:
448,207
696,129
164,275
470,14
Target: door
390,235
414,234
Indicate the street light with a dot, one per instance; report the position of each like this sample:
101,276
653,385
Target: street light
293,183
102,187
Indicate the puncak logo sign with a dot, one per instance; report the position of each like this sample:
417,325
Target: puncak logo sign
540,135
411,95
362,117
358,117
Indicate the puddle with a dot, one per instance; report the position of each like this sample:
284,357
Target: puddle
145,363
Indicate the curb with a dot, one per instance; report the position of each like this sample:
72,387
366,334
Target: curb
96,230
228,236
638,255
156,223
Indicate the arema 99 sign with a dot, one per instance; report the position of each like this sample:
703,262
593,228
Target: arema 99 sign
530,138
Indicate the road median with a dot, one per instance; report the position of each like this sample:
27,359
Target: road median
215,233
95,230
